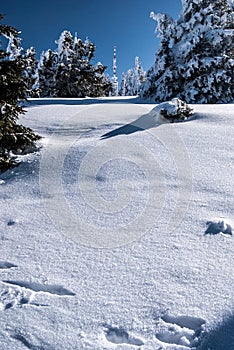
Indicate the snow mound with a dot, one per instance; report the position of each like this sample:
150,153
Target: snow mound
219,226
172,111
166,112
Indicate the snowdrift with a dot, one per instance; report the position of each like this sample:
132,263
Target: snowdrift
104,241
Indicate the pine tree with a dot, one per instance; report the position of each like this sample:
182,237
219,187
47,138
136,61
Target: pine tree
138,77
129,82
64,77
122,89
31,72
132,80
100,84
195,58
15,51
68,71
13,90
88,79
47,68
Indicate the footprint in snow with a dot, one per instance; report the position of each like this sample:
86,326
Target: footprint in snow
6,265
181,330
29,341
120,336
20,293
12,222
13,297
39,287
220,226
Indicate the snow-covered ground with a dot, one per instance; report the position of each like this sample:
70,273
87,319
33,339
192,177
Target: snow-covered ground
117,234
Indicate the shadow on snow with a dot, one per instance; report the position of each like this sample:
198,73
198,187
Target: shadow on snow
85,101
144,122
221,337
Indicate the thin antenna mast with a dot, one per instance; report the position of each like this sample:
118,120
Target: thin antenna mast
115,79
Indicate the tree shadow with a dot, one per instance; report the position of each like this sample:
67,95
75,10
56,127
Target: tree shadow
144,122
85,101
123,130
221,337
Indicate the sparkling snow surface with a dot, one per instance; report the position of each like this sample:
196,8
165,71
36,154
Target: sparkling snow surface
103,233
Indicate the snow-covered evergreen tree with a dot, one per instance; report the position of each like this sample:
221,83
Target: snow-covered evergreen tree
122,88
101,83
68,71
64,77
195,61
131,81
129,87
15,51
138,76
47,69
31,72
13,91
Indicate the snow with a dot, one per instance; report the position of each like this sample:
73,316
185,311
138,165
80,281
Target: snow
103,231
186,42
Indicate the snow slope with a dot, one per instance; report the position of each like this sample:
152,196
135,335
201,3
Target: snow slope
103,242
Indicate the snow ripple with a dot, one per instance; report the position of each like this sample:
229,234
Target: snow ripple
109,191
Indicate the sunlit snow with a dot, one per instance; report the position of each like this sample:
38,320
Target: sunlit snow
104,241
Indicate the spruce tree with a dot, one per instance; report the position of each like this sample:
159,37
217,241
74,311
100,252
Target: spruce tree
47,69
129,82
99,83
15,51
68,71
31,72
138,77
64,77
14,138
122,89
132,81
195,58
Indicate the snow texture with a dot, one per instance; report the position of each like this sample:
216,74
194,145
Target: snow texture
195,57
103,242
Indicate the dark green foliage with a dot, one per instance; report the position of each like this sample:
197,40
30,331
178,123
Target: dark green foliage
12,88
30,72
196,55
13,91
47,74
181,111
69,72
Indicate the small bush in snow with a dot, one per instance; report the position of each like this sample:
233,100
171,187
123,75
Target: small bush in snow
175,110
171,111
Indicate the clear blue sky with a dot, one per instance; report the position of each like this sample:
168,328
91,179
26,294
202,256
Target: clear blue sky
124,23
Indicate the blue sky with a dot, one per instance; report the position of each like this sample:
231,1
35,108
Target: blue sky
121,23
